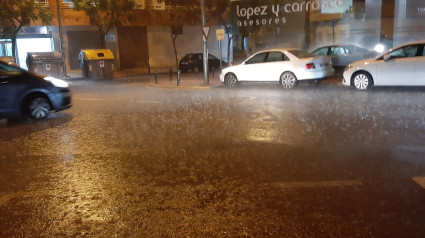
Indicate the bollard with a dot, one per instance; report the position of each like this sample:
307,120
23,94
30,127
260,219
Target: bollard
178,78
156,76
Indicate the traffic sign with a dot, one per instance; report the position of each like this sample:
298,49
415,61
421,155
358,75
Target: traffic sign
205,31
219,34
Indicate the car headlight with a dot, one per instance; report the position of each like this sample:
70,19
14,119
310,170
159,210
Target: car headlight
57,82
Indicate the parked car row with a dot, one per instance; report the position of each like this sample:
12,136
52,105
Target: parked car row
401,66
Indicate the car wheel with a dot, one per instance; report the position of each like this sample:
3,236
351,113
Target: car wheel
38,108
288,80
362,81
230,80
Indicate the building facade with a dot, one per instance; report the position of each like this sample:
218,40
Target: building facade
146,41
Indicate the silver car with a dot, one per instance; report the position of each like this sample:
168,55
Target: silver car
401,66
343,55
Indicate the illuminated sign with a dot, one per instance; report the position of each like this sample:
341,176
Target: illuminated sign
249,14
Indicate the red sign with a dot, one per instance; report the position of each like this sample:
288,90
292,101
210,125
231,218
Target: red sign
205,31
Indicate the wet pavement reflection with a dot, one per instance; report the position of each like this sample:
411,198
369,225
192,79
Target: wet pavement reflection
128,160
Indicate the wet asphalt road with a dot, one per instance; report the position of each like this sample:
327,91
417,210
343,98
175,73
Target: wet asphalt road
129,160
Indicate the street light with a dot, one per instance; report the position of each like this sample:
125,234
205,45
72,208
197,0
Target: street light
333,24
204,41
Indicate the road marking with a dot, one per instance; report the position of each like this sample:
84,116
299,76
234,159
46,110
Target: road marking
420,181
89,99
149,102
314,184
101,99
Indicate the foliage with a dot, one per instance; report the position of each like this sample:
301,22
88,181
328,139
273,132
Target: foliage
15,14
105,14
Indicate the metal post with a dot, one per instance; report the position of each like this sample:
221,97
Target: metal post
65,74
333,24
205,47
156,76
178,78
219,48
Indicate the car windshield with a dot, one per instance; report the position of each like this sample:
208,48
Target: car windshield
301,54
8,68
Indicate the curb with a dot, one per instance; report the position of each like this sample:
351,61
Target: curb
207,87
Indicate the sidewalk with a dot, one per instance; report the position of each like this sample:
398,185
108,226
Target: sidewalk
163,80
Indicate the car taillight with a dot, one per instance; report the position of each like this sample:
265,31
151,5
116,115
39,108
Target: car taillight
310,66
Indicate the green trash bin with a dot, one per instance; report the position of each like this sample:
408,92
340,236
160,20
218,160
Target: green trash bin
46,63
97,64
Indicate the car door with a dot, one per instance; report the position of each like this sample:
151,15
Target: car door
399,69
420,66
338,56
275,64
253,68
10,85
5,102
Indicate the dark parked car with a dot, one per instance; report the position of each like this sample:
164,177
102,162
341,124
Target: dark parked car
194,62
32,95
343,55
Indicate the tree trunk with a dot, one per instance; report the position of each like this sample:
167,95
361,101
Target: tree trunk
173,38
13,38
102,39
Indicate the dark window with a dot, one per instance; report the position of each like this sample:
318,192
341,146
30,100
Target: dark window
338,51
276,56
405,52
321,51
259,58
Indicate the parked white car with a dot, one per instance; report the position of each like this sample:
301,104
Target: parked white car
400,66
286,66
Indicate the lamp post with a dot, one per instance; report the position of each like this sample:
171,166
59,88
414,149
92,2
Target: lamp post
333,24
205,47
58,8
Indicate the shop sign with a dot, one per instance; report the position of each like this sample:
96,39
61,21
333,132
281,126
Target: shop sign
276,14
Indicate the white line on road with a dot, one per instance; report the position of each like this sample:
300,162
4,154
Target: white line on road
420,181
313,184
101,99
89,99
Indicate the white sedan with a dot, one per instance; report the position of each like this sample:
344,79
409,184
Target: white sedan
401,66
286,66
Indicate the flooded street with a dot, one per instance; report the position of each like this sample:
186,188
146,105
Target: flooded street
130,160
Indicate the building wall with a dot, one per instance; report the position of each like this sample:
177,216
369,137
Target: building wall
133,47
160,44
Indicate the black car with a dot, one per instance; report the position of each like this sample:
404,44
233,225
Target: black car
32,95
195,63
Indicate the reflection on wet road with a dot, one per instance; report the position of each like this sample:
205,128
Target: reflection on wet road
132,161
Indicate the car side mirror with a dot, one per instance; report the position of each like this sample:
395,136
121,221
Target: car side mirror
387,57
